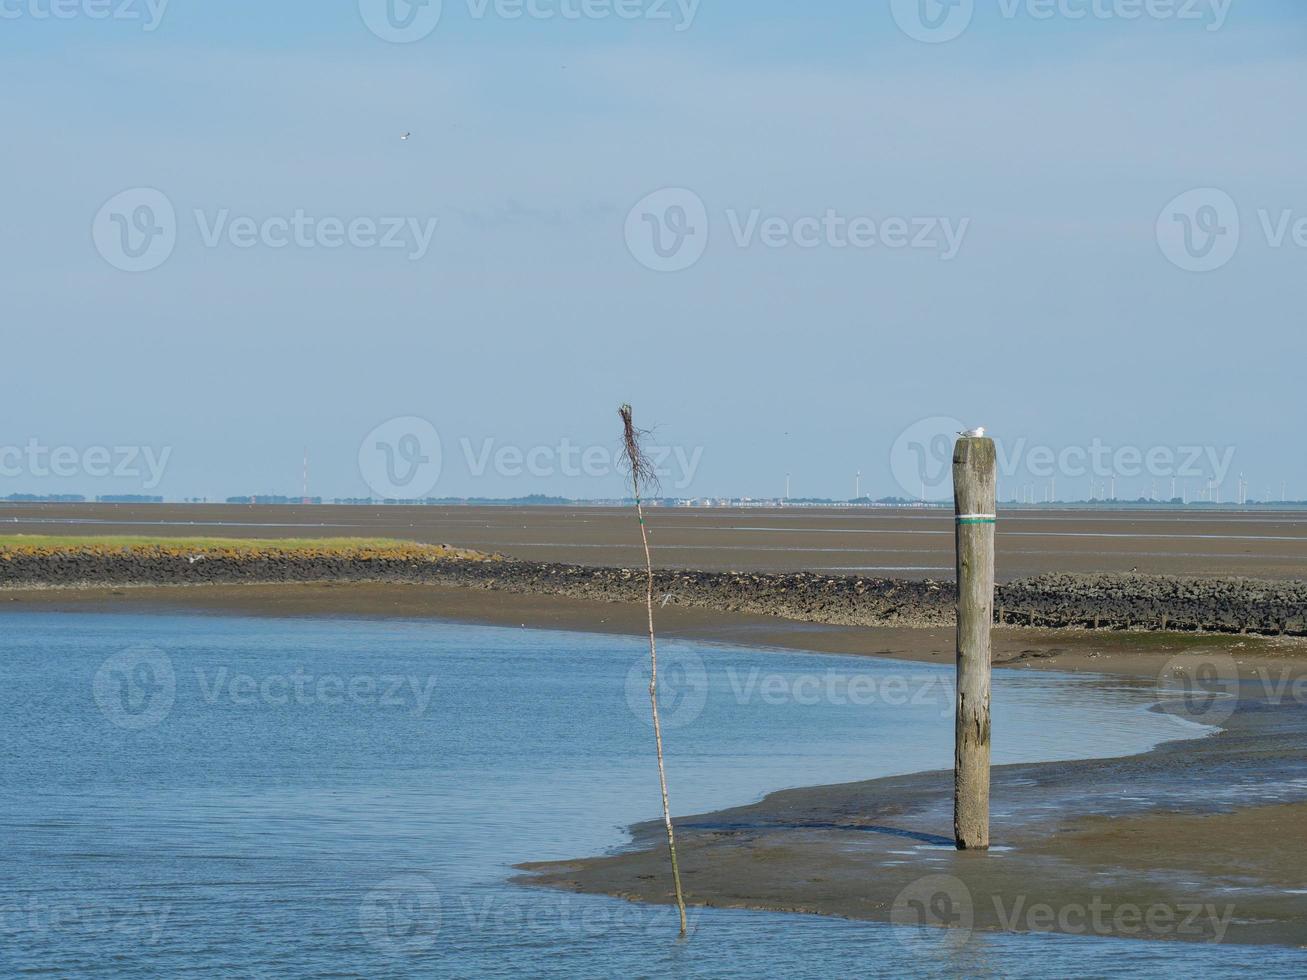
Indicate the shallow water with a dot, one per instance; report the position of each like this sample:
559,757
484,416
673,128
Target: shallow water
235,797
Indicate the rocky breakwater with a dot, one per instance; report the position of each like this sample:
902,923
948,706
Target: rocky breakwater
92,564
803,596
1156,602
1108,602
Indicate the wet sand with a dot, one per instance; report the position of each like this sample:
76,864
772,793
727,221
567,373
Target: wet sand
1202,840
897,543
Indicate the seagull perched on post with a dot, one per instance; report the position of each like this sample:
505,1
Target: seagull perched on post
977,433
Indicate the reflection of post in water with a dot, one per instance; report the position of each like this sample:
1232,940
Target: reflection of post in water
975,503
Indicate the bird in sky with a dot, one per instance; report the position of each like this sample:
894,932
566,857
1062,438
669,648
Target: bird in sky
976,433
405,136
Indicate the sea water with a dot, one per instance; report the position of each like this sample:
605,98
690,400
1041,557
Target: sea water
227,796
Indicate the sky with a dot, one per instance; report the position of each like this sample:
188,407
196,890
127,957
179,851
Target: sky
810,240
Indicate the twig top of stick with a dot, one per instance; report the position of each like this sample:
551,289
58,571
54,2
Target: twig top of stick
634,458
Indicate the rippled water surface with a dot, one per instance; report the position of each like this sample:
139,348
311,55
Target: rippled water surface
253,797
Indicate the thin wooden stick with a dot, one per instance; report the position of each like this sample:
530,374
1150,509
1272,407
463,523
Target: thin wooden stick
641,474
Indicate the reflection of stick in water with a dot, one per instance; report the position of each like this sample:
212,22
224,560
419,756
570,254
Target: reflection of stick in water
642,476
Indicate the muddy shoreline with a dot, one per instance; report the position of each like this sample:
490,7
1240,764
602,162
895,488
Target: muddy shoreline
1199,840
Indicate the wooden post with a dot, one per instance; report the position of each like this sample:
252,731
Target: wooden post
975,505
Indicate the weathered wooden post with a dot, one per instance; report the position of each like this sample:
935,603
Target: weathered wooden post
975,504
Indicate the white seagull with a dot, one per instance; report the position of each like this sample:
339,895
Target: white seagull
977,433
405,136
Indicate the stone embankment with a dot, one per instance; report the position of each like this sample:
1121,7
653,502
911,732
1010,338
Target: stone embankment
1081,601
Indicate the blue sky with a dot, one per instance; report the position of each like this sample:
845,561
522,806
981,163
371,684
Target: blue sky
517,311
